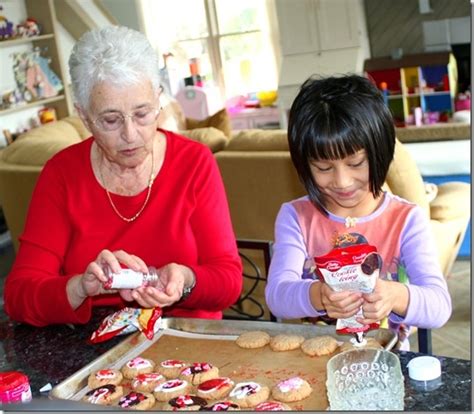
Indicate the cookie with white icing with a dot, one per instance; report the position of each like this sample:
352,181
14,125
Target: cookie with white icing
171,368
249,394
137,366
353,344
104,376
185,402
272,406
135,400
291,389
103,395
223,406
147,382
171,389
198,372
215,388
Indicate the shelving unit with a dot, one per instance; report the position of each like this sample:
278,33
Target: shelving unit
427,81
44,13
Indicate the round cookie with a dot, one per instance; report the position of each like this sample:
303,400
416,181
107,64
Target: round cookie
369,343
147,382
253,339
171,388
185,402
321,345
104,376
249,394
137,366
215,388
137,401
286,342
103,395
171,368
291,389
198,372
223,406
272,406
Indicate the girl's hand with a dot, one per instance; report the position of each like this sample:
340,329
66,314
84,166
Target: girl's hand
172,279
340,304
387,297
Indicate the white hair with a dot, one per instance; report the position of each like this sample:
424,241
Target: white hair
115,54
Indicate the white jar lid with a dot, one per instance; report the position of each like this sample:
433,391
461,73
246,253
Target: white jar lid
424,368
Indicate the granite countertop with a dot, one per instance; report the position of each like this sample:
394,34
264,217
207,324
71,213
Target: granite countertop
52,354
435,132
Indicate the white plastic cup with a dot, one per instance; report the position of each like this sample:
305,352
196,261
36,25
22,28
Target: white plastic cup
365,380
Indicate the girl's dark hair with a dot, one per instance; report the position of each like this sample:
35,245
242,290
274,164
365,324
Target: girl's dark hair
332,118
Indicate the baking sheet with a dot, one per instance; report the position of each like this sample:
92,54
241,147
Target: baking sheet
213,341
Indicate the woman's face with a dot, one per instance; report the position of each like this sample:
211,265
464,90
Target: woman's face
129,144
344,184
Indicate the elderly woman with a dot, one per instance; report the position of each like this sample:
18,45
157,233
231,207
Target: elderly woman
132,195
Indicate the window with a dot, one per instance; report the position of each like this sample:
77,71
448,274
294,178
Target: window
230,40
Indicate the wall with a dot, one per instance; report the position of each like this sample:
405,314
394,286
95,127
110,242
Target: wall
399,24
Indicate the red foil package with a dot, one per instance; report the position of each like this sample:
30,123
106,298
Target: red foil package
128,320
355,268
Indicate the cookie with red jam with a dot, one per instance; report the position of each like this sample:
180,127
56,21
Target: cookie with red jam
215,388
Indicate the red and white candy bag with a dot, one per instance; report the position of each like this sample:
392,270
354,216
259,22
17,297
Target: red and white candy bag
128,320
354,268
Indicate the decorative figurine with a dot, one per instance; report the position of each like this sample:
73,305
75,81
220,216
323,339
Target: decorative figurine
6,27
34,77
28,28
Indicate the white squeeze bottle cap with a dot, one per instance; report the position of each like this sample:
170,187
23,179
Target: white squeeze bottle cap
424,368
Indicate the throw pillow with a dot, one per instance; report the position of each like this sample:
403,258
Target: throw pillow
219,120
37,146
212,137
259,140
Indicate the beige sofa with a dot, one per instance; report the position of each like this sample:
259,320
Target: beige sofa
258,177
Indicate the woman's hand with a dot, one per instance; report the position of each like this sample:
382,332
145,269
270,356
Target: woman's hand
387,297
91,282
342,304
173,278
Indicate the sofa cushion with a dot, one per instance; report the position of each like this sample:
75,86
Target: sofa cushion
404,178
39,144
258,140
219,120
77,123
171,116
452,201
212,137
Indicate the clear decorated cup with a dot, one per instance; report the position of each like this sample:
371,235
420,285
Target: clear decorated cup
366,380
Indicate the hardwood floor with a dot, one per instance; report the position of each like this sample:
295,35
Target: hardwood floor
452,340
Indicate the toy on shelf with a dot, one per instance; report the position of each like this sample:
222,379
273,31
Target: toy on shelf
7,31
28,28
34,77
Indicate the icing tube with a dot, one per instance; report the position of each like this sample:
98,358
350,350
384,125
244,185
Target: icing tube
354,268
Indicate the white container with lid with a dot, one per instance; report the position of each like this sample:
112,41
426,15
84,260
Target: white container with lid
425,373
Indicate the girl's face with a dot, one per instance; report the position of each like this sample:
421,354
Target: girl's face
344,184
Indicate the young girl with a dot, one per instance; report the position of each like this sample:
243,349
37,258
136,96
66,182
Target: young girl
341,139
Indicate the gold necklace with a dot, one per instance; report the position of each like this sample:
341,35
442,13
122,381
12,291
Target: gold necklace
150,184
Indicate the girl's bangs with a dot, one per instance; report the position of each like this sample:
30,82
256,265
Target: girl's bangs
333,146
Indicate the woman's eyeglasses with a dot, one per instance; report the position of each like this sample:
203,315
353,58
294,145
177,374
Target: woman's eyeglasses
112,121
